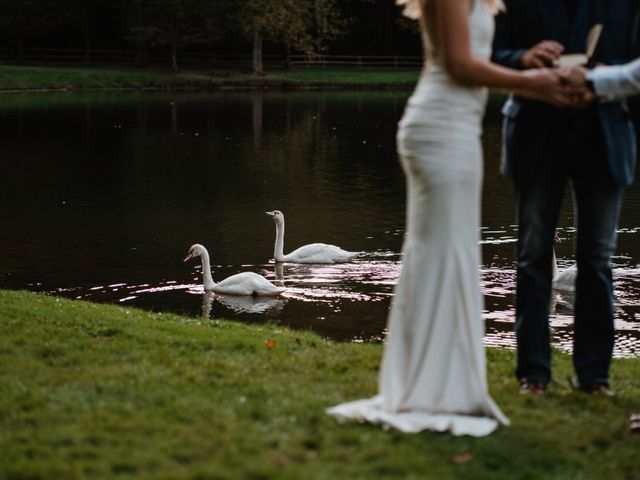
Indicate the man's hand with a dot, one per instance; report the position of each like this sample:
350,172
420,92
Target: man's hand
575,81
547,85
575,76
543,54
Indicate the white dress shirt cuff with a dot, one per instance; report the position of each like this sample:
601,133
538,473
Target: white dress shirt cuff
606,82
616,82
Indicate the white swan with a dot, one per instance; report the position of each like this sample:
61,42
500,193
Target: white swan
562,280
312,253
565,279
245,283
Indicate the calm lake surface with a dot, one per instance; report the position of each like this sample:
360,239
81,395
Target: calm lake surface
102,195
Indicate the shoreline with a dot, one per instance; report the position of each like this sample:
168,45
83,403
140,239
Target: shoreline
19,79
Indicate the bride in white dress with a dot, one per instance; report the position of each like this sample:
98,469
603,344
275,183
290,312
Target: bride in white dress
433,369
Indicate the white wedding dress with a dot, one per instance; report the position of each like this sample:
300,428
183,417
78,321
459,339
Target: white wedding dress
433,374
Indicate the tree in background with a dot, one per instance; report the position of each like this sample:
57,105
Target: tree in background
301,25
80,11
377,27
22,19
83,14
311,27
278,20
175,23
134,25
328,24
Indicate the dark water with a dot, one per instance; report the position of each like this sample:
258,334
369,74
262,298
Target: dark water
101,196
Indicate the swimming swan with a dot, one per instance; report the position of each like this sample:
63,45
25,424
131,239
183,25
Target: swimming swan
312,253
245,283
564,280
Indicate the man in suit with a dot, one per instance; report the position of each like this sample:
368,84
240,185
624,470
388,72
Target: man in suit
607,83
545,148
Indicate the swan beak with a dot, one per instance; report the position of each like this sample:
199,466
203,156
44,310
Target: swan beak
271,214
188,257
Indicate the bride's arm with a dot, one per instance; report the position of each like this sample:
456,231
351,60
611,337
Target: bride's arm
454,41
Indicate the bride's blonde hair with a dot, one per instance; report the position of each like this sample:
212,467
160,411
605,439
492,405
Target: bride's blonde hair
412,8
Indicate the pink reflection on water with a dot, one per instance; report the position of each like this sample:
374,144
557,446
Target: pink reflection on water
498,285
497,281
367,279
370,279
130,292
169,287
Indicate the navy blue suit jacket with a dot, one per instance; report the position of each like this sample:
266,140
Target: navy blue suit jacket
529,124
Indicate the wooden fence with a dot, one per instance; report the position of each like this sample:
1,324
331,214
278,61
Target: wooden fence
53,56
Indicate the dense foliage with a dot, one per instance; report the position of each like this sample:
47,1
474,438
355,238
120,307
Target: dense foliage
310,27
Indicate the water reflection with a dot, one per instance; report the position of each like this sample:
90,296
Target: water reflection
498,285
242,303
122,182
368,281
207,301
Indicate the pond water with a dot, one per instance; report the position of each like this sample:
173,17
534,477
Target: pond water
101,195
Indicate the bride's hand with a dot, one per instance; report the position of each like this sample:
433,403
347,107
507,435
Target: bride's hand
576,76
547,85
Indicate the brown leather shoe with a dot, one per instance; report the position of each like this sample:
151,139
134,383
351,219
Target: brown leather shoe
591,389
634,423
529,386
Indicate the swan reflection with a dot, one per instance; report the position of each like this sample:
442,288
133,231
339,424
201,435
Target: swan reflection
242,303
562,302
207,301
279,271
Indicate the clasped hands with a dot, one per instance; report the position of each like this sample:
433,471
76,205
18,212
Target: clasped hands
566,86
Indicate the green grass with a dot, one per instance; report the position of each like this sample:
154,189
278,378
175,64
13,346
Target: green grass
101,392
363,77
34,78
14,78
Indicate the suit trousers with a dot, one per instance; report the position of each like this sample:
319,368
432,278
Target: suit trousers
575,156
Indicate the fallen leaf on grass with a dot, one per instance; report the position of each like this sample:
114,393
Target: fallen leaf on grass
462,458
270,343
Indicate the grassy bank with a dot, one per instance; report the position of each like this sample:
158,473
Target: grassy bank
95,391
14,78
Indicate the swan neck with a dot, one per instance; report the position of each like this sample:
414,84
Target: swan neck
554,265
278,254
206,271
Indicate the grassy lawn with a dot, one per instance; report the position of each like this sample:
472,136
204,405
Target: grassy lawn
97,391
24,78
57,78
351,76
